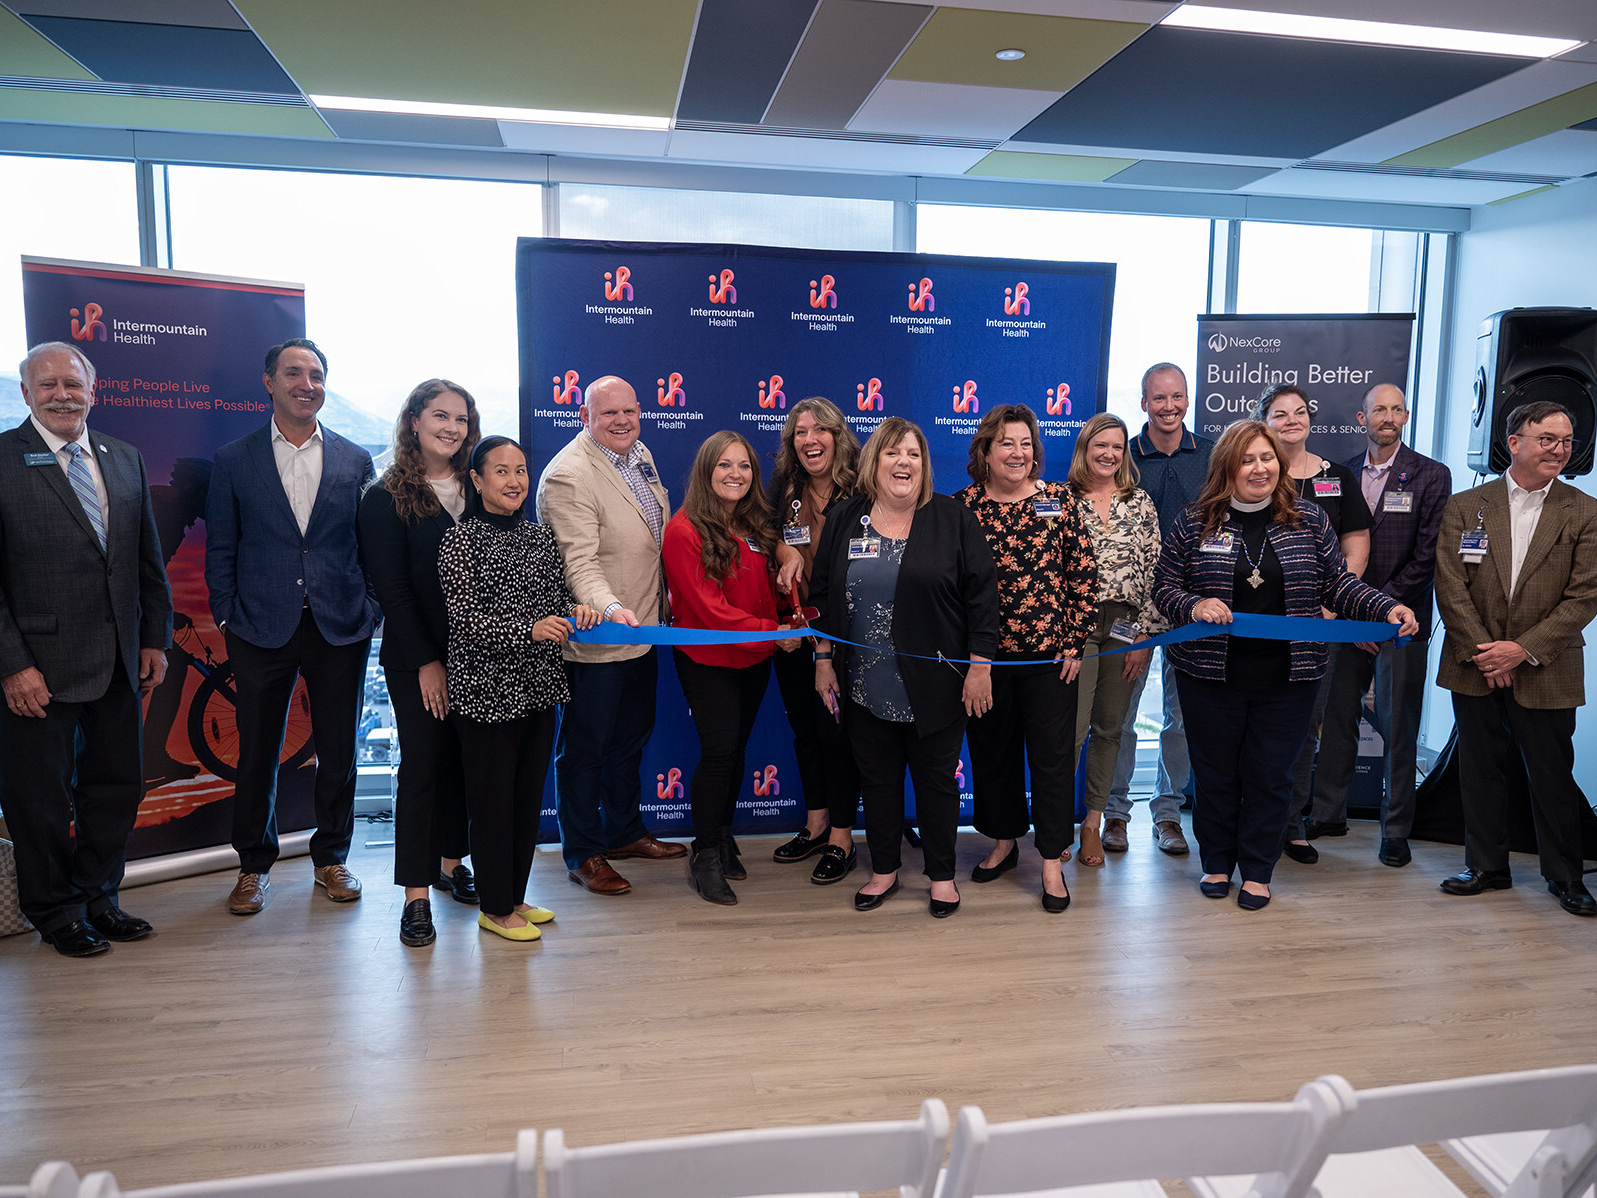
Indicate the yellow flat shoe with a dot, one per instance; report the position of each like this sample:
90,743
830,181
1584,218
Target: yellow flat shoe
525,932
537,915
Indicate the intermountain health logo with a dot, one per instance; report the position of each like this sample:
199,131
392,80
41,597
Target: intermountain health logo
824,293
567,391
616,287
669,784
771,393
91,327
1059,399
869,395
1015,301
725,293
921,299
669,393
965,397
765,782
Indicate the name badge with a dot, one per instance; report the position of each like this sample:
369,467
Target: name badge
1327,488
1219,543
39,459
1398,501
648,472
1045,507
859,547
1123,630
749,541
1472,547
796,534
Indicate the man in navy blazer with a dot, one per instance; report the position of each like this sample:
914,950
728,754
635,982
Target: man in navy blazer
1406,492
288,592
85,619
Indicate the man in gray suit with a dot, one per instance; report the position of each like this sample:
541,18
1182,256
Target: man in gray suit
85,620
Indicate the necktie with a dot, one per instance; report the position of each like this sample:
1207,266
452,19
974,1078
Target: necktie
83,483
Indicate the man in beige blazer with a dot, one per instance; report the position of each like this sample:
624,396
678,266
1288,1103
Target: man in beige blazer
602,498
1516,581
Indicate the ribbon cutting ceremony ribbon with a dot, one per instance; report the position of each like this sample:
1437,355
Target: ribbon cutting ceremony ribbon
1256,627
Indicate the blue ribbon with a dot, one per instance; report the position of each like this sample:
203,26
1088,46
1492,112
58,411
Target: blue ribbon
1256,627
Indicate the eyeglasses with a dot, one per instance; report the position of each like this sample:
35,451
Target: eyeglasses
1548,443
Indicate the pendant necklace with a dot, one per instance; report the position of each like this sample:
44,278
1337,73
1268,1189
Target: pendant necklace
1255,580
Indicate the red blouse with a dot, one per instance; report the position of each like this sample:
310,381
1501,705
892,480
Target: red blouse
746,601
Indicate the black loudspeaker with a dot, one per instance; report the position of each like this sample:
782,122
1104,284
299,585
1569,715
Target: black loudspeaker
1525,355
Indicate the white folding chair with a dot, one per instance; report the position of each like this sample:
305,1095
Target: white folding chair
1122,1154
1520,1135
53,1179
843,1158
484,1175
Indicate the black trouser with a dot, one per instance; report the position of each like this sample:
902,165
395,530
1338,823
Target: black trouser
1490,727
1244,745
1304,769
884,750
335,677
430,808
826,765
724,701
71,834
505,767
1033,718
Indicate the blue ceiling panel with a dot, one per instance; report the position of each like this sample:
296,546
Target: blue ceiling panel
1199,92
168,55
741,49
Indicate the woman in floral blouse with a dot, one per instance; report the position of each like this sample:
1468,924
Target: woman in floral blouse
1047,592
1125,535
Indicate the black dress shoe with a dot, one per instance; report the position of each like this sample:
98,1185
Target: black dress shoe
1303,854
461,885
1054,905
1395,852
801,848
942,908
1473,881
1318,828
1215,889
731,859
1574,897
1249,901
76,939
416,924
1011,859
116,924
834,865
869,902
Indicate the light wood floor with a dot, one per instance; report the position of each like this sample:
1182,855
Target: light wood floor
308,1035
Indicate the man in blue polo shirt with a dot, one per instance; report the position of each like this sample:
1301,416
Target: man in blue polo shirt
1171,462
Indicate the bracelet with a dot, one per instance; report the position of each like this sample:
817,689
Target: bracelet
827,656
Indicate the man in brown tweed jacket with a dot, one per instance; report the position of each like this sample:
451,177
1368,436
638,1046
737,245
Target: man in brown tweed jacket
1516,581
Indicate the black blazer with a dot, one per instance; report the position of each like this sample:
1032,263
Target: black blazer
946,601
401,561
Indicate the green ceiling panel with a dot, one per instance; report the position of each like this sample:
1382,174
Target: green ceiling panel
1054,168
958,44
1516,128
142,112
26,51
621,56
1520,195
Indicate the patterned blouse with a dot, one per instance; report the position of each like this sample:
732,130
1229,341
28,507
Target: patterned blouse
498,583
1128,550
1047,571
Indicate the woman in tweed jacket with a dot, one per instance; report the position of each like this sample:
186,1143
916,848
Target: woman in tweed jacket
1249,544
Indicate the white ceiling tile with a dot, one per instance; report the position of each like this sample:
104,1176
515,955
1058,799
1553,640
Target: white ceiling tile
1097,151
758,150
949,109
573,139
1391,189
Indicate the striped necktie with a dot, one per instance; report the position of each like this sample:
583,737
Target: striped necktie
83,483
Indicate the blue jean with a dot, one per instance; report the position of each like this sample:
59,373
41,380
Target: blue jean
1175,770
598,752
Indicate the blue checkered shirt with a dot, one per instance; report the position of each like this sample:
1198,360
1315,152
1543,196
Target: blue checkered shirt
632,472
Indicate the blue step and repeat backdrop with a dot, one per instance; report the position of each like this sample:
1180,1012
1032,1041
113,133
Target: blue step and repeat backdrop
727,337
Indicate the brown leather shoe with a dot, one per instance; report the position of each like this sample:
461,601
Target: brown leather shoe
648,847
1167,835
249,894
341,885
1114,835
595,876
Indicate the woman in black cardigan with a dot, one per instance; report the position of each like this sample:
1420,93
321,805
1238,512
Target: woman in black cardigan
402,518
907,574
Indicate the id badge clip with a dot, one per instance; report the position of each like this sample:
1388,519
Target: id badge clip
1219,543
1124,631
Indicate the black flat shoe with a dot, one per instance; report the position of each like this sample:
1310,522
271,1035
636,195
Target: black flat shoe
76,939
1318,828
1573,897
801,848
834,865
1473,881
1054,905
116,924
1395,851
416,924
869,902
1215,889
1303,854
1011,859
1249,901
461,885
942,908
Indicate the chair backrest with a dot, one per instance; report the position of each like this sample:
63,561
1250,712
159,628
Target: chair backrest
1561,1101
486,1175
53,1179
1283,1144
745,1164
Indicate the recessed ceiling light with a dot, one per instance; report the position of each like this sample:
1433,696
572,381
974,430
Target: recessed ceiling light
542,116
1381,33
1009,55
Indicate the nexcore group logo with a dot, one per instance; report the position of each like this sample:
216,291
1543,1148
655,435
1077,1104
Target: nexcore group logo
1220,342
824,293
669,784
567,391
616,287
724,293
669,393
921,299
1059,399
765,782
1217,343
869,395
91,327
771,393
1015,301
965,397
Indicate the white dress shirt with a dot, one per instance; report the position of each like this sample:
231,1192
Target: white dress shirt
300,468
58,446
1524,514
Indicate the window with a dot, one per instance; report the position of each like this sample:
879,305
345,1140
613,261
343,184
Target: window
1320,268
663,214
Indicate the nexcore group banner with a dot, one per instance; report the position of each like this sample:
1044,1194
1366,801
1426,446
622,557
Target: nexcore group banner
727,337
178,364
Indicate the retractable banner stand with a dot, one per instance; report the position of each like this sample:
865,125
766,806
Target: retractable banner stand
178,359
728,337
